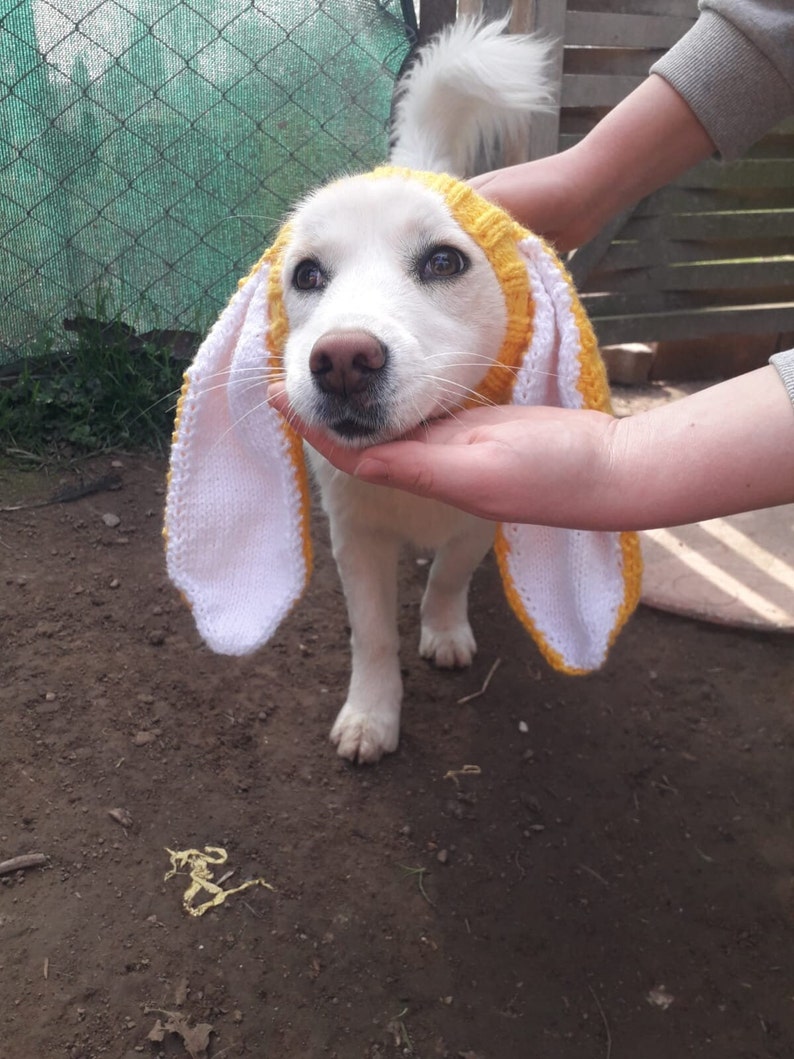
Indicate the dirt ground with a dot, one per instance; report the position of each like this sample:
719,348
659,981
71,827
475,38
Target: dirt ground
615,879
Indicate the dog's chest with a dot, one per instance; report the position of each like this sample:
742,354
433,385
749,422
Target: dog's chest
425,524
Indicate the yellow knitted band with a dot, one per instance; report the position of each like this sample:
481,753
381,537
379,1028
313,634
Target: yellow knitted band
180,404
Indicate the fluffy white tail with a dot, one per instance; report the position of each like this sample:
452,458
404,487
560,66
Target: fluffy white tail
469,89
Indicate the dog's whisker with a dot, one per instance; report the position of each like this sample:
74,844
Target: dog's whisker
258,407
238,422
255,217
250,385
451,388
258,379
471,359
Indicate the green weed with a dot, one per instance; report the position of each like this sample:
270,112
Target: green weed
104,387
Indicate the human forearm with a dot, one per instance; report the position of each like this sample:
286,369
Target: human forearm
650,138
726,449
644,143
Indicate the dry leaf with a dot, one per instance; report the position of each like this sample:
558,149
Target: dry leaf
196,1039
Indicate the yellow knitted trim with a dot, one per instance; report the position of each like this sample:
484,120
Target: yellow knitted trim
278,328
180,404
592,383
632,580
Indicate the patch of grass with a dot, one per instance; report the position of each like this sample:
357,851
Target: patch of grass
107,388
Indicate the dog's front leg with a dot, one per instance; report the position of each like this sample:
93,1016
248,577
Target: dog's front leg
368,725
446,634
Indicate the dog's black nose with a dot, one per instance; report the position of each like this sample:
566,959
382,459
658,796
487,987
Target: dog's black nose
345,362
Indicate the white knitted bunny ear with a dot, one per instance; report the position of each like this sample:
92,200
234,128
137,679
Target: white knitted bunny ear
237,541
573,590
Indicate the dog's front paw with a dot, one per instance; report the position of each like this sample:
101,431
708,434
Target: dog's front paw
449,648
365,735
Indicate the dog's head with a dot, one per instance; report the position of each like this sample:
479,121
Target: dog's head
402,297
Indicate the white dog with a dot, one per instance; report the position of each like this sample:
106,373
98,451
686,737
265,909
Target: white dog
395,316
392,311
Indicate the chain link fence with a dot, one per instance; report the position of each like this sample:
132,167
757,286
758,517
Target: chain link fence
149,148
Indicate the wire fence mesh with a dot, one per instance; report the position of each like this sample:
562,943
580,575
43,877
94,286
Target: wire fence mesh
149,148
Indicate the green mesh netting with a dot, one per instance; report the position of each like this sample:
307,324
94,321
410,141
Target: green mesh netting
149,148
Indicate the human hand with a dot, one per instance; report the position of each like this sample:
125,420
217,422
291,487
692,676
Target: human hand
504,463
550,196
725,449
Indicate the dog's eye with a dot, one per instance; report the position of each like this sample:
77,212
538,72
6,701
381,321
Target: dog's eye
442,262
308,276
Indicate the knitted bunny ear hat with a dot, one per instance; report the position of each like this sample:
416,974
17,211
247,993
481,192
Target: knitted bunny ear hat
237,526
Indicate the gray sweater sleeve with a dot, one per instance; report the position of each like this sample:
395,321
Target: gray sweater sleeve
735,69
784,364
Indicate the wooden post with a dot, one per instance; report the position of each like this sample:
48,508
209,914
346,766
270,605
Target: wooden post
433,16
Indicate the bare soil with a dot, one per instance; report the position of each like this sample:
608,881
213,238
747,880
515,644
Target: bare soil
614,879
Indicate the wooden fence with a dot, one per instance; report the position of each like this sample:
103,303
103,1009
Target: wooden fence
712,253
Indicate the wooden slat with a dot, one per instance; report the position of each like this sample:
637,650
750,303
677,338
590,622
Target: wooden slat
680,8
707,276
752,173
662,326
490,9
749,176
776,144
634,254
466,8
597,29
588,257
751,224
686,200
609,62
575,124
594,90
616,303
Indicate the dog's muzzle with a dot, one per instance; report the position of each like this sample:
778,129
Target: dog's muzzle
349,369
